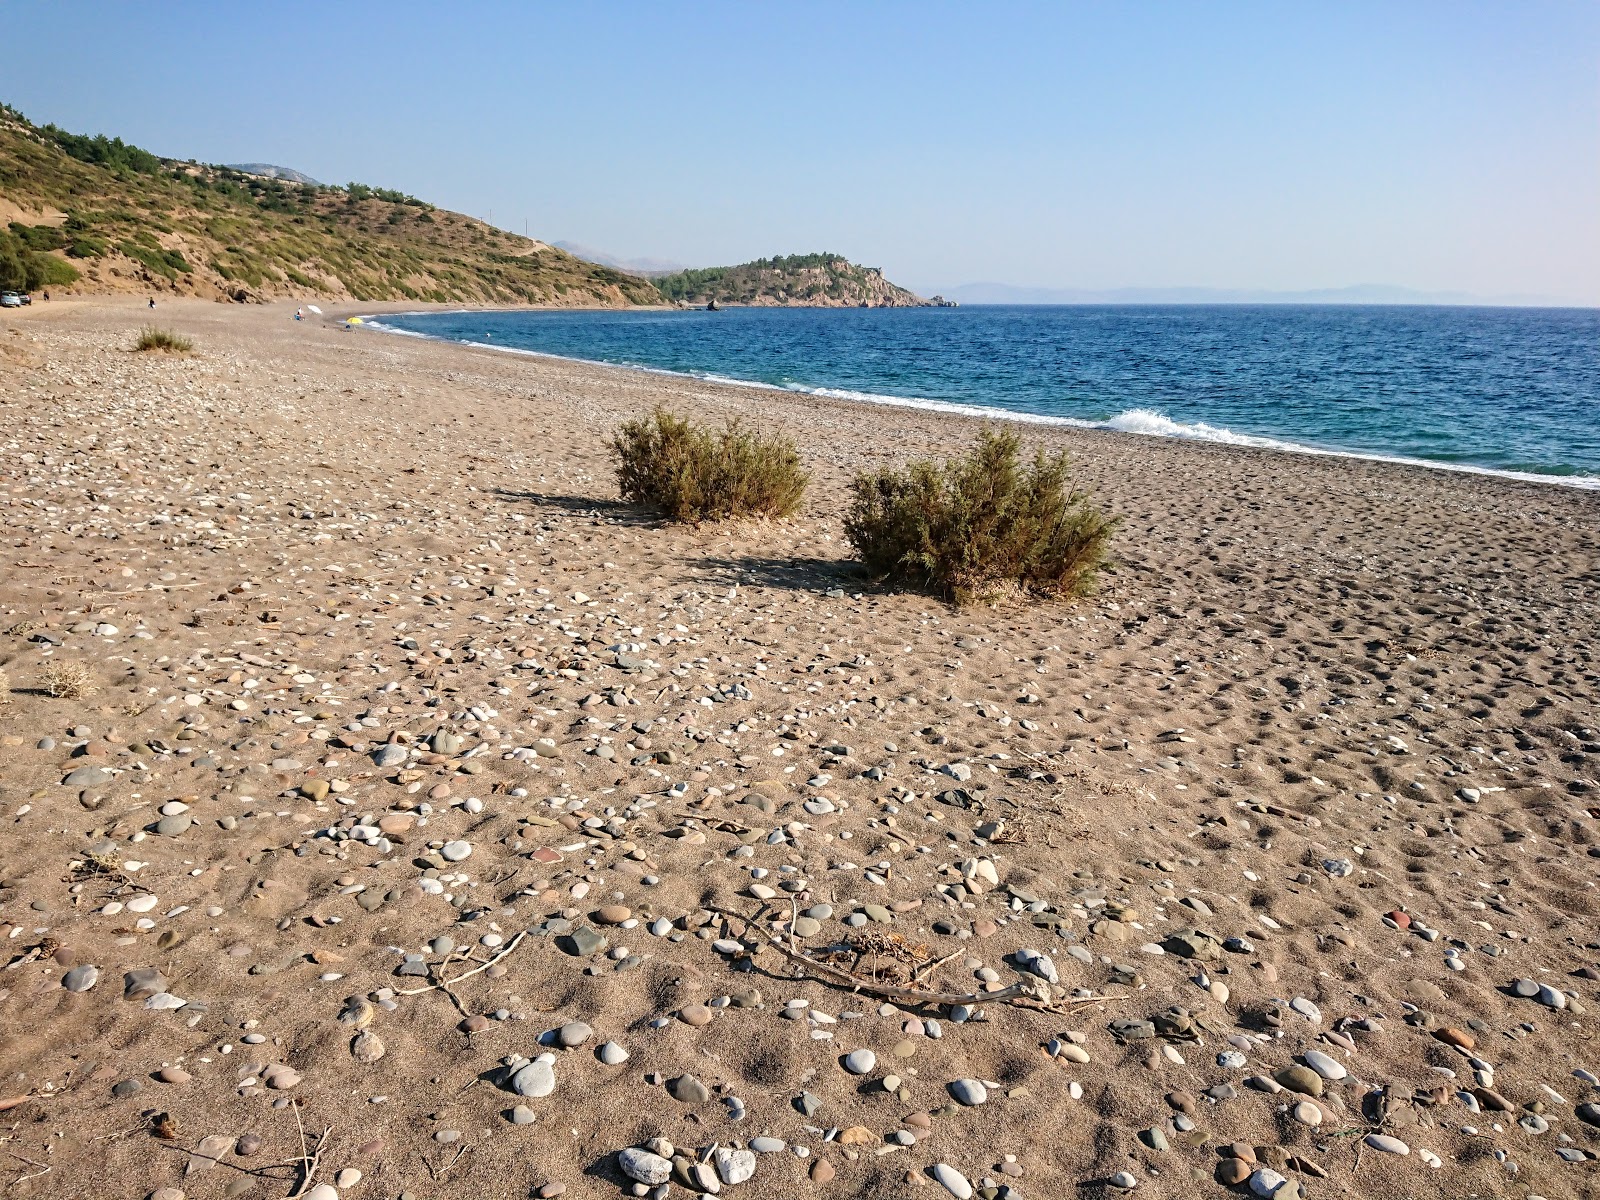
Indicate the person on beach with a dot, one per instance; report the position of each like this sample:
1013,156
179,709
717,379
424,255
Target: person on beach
152,301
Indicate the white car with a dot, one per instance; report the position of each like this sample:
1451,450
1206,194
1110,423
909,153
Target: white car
11,300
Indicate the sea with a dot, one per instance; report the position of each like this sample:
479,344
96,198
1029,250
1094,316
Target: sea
1511,391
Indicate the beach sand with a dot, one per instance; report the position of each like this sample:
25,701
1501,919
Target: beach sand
1311,692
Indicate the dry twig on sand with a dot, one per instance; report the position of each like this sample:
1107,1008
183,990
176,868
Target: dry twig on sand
1025,994
310,1159
444,985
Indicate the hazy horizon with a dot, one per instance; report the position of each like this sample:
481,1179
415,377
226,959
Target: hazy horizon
1445,149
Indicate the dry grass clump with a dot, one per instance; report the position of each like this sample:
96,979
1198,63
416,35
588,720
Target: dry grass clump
983,527
5,688
692,474
151,338
68,681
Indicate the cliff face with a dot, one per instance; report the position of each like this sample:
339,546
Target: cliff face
97,215
798,281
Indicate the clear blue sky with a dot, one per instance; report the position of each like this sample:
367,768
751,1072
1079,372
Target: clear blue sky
1442,146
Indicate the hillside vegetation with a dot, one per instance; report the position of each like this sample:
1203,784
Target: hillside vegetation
798,280
95,214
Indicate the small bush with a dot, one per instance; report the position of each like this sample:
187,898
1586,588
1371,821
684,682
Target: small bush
984,527
68,681
692,474
5,688
151,338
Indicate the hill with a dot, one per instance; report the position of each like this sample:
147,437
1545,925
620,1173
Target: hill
268,171
797,281
94,214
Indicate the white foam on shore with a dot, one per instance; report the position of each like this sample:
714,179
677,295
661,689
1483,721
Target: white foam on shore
1144,422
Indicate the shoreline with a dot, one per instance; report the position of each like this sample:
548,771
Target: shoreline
1228,437
382,674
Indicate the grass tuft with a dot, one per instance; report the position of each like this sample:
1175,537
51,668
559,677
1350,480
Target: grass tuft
5,688
68,681
692,474
981,528
151,338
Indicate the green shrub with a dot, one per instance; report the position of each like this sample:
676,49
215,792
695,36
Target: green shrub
46,270
981,528
692,474
151,338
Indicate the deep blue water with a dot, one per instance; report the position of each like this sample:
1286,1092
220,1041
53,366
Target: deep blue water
1503,389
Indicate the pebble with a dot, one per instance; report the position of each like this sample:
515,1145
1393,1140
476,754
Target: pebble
81,979
968,1091
952,1180
1385,1144
860,1062
389,755
573,1033
1264,1181
535,1079
734,1166
1324,1065
688,1090
1307,1113
644,1167
612,1054
455,851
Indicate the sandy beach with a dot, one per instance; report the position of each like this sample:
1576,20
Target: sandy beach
1293,824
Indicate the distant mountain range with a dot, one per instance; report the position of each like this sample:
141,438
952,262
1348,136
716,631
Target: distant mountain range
634,266
1362,293
268,171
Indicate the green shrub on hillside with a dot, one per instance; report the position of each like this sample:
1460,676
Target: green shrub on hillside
692,474
25,270
981,528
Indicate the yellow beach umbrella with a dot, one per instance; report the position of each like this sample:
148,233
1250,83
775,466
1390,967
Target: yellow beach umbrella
353,321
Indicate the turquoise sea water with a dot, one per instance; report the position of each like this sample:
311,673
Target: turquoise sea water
1508,390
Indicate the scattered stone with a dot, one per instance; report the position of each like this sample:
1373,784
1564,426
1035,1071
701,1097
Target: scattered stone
688,1090
968,1091
644,1167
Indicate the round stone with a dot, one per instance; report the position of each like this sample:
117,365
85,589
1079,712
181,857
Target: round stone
574,1033
1300,1079
859,1062
81,979
455,851
969,1092
612,1054
1266,1182
1307,1113
643,1167
688,1090
535,1079
389,755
